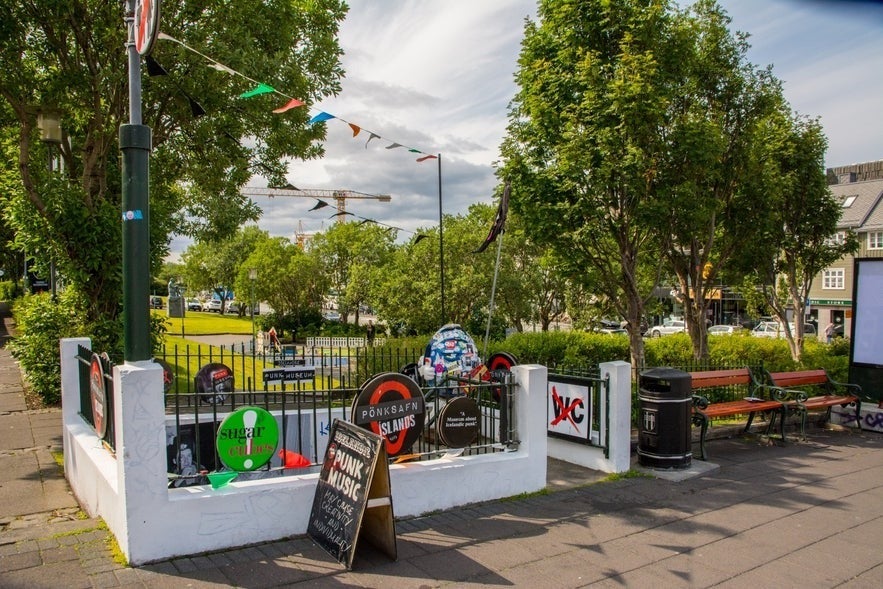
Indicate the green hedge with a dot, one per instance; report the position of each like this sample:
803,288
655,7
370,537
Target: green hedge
579,349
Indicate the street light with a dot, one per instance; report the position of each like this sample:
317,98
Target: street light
49,123
252,276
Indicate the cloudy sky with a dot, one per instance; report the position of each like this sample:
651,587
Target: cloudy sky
438,77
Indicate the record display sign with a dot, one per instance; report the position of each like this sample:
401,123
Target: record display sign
391,405
459,422
247,439
98,394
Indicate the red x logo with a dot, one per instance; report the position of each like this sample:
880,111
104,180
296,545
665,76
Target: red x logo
565,412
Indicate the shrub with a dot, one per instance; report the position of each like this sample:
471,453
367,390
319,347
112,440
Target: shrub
40,323
9,290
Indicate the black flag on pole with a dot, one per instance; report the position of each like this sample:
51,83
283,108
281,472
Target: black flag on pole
499,221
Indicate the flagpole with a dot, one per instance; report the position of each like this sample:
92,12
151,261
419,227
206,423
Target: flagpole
441,249
490,314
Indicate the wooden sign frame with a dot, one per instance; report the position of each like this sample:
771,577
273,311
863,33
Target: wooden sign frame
353,496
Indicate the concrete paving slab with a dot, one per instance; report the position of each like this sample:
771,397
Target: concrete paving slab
15,432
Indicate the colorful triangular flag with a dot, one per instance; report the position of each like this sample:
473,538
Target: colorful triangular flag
293,103
356,129
261,88
322,116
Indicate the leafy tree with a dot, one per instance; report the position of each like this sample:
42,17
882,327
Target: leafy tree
583,147
408,291
215,265
70,56
716,103
346,250
530,286
796,241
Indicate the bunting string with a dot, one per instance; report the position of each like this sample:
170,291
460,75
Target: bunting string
260,88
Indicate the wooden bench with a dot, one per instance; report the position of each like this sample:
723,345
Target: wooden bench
759,398
812,390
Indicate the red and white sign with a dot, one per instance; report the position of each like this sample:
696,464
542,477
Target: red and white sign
146,24
569,409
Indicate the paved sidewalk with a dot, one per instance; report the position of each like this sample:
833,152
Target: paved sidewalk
809,514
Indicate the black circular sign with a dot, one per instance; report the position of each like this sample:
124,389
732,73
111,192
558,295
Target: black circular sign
459,422
213,382
499,361
391,405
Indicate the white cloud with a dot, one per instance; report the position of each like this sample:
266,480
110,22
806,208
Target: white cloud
438,76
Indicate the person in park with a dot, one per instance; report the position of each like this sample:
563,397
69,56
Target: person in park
829,333
370,333
274,339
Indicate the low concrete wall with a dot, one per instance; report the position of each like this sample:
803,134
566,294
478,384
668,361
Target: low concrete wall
152,522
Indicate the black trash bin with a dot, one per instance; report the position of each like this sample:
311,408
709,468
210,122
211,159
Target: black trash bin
664,434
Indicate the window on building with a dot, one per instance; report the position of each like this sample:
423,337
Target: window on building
833,279
875,240
836,239
847,201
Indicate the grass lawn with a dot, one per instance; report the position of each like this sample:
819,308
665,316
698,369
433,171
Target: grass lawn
203,323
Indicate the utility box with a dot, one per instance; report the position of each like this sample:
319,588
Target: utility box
664,418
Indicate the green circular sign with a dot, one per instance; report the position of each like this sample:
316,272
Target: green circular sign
247,439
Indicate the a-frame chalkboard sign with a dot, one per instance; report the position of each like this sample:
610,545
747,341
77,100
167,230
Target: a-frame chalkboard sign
353,499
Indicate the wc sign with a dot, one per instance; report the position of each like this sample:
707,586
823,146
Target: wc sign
569,409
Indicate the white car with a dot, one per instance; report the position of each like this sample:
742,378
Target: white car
213,306
774,329
668,327
724,329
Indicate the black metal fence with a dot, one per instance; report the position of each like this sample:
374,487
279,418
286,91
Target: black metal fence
327,383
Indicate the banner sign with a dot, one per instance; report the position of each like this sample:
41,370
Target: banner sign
289,374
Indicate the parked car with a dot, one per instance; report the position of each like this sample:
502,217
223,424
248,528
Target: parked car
724,329
213,306
668,327
156,302
613,330
775,329
194,305
331,316
232,308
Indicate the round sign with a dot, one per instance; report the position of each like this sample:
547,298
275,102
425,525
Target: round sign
501,361
213,382
391,405
168,375
98,393
459,422
247,439
146,24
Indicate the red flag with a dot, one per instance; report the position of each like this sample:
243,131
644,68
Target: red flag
499,221
293,103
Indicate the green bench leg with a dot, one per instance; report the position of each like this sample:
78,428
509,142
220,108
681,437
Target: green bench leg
701,420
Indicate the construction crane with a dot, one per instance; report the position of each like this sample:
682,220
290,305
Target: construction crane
340,196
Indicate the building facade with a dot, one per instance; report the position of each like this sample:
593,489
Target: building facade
859,189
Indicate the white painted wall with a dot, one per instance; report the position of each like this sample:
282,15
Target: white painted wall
152,522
